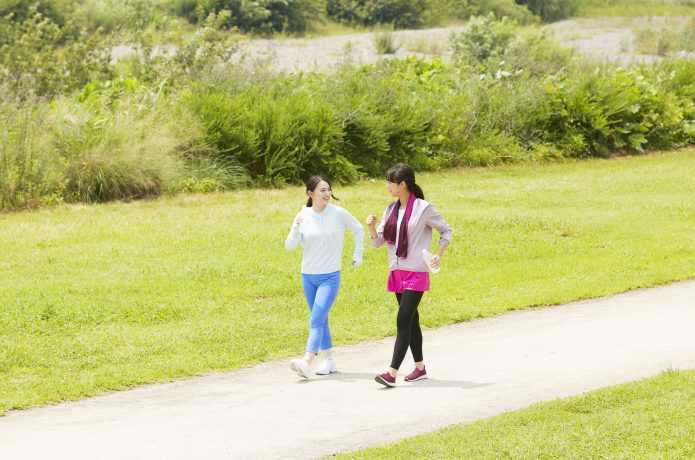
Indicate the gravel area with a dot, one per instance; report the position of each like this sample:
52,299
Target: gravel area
602,39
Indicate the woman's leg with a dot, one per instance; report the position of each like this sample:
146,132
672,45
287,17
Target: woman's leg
319,332
407,308
310,284
416,340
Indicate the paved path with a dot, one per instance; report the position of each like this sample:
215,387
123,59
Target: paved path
478,369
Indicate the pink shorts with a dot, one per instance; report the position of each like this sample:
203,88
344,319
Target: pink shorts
402,280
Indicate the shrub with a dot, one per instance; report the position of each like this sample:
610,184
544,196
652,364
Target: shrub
41,57
400,14
387,112
614,110
482,38
277,131
550,10
264,16
57,11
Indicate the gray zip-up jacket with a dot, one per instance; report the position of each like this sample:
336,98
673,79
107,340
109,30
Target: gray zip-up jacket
422,220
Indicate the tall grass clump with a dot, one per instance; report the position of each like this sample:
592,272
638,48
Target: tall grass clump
385,42
387,112
28,173
130,147
275,129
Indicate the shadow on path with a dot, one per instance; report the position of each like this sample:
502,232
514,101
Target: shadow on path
429,383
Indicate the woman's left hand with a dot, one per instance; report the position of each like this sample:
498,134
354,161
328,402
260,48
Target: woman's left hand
434,261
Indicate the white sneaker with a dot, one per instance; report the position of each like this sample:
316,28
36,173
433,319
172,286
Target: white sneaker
326,367
300,367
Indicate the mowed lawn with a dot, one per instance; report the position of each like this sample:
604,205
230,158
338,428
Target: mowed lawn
104,297
650,418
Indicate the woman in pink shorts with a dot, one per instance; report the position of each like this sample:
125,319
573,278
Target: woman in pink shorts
406,228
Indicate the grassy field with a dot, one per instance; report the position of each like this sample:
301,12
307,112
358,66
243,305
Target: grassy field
97,298
651,418
602,8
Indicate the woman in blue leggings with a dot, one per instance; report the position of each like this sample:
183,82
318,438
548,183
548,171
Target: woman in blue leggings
319,228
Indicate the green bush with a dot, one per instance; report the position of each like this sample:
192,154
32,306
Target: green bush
482,38
401,14
388,111
278,132
58,11
619,110
501,9
264,16
550,10
40,57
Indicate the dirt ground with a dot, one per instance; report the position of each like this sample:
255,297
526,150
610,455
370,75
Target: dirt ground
610,39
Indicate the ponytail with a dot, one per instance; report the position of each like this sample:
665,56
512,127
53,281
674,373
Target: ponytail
414,188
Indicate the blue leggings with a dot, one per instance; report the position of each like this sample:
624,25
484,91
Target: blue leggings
320,292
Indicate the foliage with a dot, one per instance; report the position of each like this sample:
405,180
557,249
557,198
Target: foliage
400,14
482,38
624,110
550,10
27,174
262,16
57,11
276,131
40,57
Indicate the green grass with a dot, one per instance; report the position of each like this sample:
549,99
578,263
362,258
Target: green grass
650,418
104,297
602,8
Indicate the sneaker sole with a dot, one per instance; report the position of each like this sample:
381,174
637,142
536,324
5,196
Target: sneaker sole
299,372
378,379
422,377
326,373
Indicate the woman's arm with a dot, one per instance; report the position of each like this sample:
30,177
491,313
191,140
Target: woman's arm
295,236
358,234
436,221
376,234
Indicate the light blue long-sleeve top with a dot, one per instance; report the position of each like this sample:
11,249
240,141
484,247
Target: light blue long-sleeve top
321,235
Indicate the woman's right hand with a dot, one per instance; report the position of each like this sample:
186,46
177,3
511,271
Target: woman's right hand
371,221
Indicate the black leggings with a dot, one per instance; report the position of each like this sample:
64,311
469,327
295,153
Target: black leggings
409,332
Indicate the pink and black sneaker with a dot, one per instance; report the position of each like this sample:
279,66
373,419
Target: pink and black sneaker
416,375
386,379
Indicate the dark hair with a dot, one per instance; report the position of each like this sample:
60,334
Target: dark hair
404,173
311,185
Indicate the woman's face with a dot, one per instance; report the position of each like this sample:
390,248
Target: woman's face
393,187
321,193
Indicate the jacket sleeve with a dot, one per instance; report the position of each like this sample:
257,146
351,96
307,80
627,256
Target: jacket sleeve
357,232
294,237
436,221
380,240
